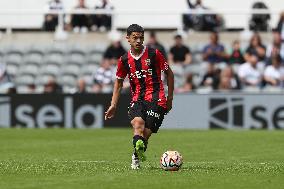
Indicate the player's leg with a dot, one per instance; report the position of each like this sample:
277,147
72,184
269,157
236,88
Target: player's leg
139,141
154,119
136,114
147,134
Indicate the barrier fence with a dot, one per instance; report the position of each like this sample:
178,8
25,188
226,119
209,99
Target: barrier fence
190,111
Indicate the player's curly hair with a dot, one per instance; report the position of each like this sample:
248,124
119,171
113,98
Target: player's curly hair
134,28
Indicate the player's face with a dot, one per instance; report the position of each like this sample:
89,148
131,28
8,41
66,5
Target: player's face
136,40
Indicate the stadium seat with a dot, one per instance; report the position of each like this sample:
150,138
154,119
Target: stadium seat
16,49
15,59
29,69
193,68
56,59
98,48
24,79
79,50
12,69
77,59
33,58
95,58
71,70
59,49
68,82
42,79
50,69
37,49
88,69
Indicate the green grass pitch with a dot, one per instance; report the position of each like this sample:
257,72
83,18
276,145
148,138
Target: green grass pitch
84,159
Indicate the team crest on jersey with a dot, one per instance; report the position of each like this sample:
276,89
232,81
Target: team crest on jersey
148,62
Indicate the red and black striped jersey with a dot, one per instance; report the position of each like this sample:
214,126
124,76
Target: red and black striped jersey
144,73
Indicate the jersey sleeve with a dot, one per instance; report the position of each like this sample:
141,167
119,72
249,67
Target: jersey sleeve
163,64
121,72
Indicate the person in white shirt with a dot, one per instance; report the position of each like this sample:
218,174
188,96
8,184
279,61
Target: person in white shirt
274,74
250,72
5,81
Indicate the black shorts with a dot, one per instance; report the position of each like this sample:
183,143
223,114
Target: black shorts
150,112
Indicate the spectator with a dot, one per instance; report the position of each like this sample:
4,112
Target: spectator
80,22
81,86
154,43
188,86
274,74
114,52
201,22
229,80
179,53
31,88
276,48
249,72
280,25
102,22
103,78
211,77
52,87
236,56
51,20
5,81
214,52
255,47
259,22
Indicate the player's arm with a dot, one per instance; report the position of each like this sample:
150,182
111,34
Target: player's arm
118,84
170,82
169,77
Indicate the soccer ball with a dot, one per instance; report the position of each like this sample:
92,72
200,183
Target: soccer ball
171,161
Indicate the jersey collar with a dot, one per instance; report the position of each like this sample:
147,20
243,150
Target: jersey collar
137,57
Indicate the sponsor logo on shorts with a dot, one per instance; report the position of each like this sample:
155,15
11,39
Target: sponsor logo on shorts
153,114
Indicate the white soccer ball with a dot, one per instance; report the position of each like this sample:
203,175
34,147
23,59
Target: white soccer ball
171,161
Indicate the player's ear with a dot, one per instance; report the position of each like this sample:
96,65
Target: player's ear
128,38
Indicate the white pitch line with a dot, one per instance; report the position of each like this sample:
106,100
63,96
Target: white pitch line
84,161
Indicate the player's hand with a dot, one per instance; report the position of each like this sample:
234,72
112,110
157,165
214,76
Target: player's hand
110,112
169,104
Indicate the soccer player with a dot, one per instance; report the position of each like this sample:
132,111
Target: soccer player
144,67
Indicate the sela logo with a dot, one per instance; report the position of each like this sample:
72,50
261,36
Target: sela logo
5,111
153,114
226,112
142,73
68,115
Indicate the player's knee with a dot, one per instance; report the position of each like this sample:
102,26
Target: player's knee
138,122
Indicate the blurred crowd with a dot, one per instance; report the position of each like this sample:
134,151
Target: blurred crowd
84,23
256,67
252,67
79,22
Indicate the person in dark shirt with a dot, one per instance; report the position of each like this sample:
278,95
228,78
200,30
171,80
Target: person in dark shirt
102,22
154,43
214,52
80,22
256,47
114,52
179,53
236,56
211,77
51,20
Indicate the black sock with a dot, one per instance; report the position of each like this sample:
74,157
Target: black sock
138,137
